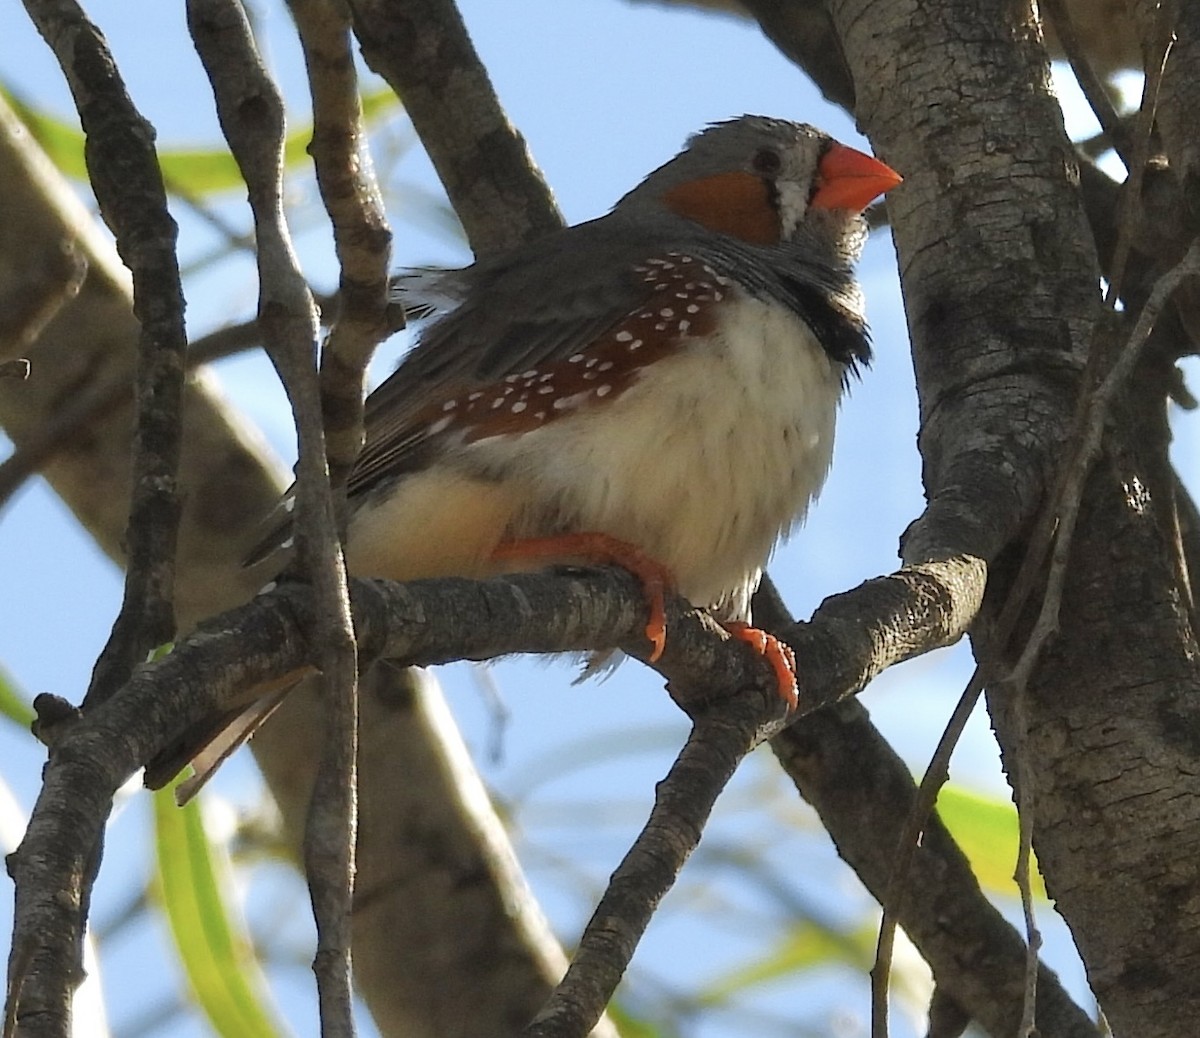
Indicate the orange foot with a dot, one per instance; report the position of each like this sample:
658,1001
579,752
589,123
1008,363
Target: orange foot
778,654
601,549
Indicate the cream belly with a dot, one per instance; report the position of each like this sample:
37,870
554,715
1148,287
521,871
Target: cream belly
435,523
704,463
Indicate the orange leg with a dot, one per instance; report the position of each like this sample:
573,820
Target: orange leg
601,549
778,654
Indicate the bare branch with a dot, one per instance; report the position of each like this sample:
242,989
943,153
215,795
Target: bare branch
864,794
1176,24
1089,82
416,763
123,168
361,235
683,801
362,242
251,114
422,49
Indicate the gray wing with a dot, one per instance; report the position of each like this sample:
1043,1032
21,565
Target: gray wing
538,304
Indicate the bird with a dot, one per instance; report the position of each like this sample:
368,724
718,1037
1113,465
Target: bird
655,388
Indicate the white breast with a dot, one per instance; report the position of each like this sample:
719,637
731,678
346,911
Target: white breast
704,463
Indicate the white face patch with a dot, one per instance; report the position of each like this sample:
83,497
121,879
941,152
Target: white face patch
793,204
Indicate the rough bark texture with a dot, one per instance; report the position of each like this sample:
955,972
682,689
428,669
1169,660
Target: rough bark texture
1000,282
1000,289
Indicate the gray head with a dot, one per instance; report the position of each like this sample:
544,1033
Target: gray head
766,182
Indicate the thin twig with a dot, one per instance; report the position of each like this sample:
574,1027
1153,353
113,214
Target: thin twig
1066,502
363,244
361,235
683,801
1022,873
288,319
927,793
1143,129
124,173
125,176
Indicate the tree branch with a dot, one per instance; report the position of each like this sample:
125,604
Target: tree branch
251,114
123,169
421,798
422,49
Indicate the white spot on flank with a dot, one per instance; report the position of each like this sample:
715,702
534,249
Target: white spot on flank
449,405
591,362
623,336
603,390
666,311
547,377
519,406
497,403
550,389
513,378
661,326
440,425
635,345
605,366
684,325
575,358
531,373
692,308
563,402
474,396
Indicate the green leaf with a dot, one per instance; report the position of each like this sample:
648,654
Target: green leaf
986,830
195,882
194,172
13,703
806,946
629,1026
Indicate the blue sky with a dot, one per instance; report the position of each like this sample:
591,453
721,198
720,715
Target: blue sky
603,92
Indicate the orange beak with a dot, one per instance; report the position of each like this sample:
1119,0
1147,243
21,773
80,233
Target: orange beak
848,179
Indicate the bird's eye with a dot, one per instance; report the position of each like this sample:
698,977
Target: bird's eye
767,160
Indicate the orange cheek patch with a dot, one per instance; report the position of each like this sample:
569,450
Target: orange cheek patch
737,204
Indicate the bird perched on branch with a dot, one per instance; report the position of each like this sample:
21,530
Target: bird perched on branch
655,388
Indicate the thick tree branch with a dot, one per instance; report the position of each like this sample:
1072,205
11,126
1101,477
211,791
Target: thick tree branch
422,49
